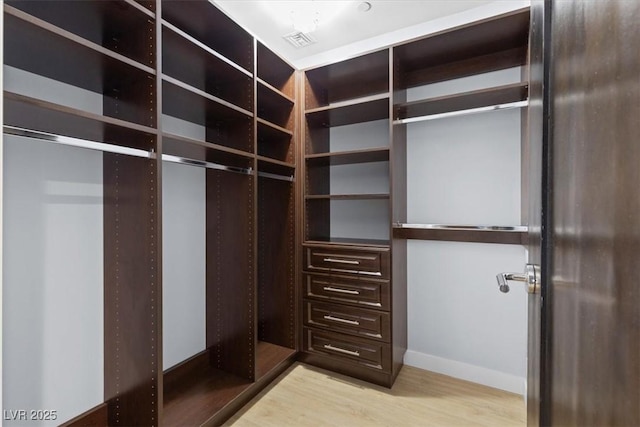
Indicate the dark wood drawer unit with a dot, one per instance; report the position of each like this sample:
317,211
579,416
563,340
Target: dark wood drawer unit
350,320
369,262
358,291
368,353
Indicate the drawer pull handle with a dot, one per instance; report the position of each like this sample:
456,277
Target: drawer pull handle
342,350
342,261
341,291
338,319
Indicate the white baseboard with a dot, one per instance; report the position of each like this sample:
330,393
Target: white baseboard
464,371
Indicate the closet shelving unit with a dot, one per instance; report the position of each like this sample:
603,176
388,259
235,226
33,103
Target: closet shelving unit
348,322
152,62
493,44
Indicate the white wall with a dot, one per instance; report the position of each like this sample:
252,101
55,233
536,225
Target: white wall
53,278
53,265
183,262
466,170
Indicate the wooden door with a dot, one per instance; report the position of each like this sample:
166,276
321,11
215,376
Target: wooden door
594,292
535,174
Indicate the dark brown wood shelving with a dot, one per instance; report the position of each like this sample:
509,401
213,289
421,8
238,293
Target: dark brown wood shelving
478,47
275,72
204,151
190,63
275,90
227,124
355,78
463,101
369,155
346,196
344,241
269,356
35,114
228,38
274,141
460,235
275,108
368,109
122,27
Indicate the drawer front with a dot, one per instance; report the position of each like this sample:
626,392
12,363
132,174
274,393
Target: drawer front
348,320
363,292
361,261
372,354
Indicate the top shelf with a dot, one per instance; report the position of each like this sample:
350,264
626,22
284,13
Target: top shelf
492,44
209,25
274,71
123,27
362,110
355,78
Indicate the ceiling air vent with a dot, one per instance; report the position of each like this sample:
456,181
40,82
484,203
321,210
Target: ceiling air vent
300,39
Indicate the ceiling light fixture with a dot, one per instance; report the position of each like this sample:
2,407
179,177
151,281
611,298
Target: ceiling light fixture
306,16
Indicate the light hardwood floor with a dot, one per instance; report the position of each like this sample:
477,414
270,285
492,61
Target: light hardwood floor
308,396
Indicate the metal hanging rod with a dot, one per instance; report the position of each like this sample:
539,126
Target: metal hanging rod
117,149
76,142
459,227
507,106
208,165
275,176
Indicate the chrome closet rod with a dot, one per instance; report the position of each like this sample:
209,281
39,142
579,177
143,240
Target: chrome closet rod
515,228
76,142
116,149
276,176
208,165
509,105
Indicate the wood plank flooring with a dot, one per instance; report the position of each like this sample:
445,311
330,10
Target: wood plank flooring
308,396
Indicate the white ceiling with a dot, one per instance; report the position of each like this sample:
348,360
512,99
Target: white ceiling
349,27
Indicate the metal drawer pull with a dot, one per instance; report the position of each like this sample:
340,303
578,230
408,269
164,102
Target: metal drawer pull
341,291
342,350
342,261
338,319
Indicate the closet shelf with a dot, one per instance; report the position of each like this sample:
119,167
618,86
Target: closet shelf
141,8
181,146
369,155
35,114
346,196
196,66
479,47
274,90
223,106
514,235
274,108
274,71
375,107
265,126
269,160
496,98
49,38
358,77
347,241
211,29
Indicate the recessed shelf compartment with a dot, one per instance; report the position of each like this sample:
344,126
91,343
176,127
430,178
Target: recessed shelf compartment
275,142
275,108
209,25
355,78
514,235
493,44
126,86
224,123
34,114
361,110
348,157
197,67
180,146
119,26
275,71
462,103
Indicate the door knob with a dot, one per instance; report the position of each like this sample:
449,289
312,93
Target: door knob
530,277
